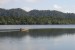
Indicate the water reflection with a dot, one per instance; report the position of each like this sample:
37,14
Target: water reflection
16,34
57,39
38,33
50,32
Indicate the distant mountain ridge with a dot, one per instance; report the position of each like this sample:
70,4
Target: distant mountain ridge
18,12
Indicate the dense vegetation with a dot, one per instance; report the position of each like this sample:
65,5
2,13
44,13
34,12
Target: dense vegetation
19,16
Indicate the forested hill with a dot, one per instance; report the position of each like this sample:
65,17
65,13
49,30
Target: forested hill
18,12
19,16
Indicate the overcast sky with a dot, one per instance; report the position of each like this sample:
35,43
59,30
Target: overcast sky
60,5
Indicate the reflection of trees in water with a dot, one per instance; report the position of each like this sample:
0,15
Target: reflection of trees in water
12,34
50,32
39,33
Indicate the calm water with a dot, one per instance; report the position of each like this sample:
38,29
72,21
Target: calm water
43,39
35,26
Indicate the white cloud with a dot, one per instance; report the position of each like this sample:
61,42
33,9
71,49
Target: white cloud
27,8
68,11
57,7
60,8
